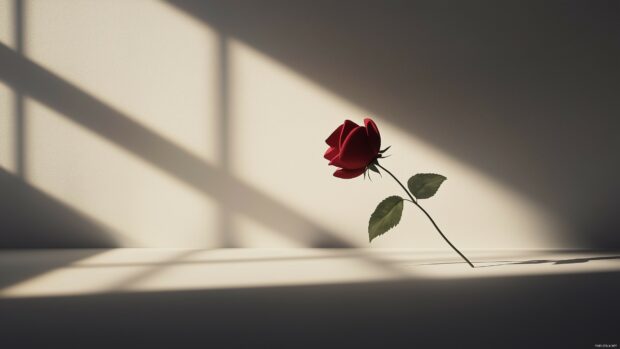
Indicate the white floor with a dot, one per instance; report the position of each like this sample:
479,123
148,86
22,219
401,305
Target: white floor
147,297
41,273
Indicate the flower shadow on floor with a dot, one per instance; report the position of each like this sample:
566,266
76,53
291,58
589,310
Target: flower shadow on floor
534,261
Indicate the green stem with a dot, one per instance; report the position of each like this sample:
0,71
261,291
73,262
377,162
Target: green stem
415,202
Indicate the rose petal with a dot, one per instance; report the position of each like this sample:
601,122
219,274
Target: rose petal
355,152
334,139
331,153
374,138
335,161
347,127
348,174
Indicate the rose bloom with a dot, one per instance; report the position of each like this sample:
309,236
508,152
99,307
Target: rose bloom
353,148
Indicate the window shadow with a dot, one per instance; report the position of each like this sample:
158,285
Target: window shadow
524,91
181,260
35,81
225,228
19,265
32,219
20,117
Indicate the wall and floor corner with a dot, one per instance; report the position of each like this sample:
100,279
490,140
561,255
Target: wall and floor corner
201,124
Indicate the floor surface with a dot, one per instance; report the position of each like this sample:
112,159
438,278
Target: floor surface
315,298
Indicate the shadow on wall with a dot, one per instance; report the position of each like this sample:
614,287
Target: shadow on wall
34,81
524,91
32,219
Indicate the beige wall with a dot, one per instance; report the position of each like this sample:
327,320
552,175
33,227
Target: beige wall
170,132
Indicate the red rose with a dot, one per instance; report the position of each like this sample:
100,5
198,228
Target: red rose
353,148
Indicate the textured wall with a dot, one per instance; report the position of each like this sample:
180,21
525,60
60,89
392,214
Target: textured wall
202,123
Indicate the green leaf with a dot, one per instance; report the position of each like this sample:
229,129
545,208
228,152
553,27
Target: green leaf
384,150
425,185
374,168
386,216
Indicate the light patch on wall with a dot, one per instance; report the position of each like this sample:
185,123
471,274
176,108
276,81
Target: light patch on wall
152,63
280,121
148,207
7,127
7,24
248,232
163,71
471,206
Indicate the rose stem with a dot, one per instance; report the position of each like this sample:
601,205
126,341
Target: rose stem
415,202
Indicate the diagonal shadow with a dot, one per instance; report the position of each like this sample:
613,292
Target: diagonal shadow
35,81
502,86
33,219
20,265
152,270
182,260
